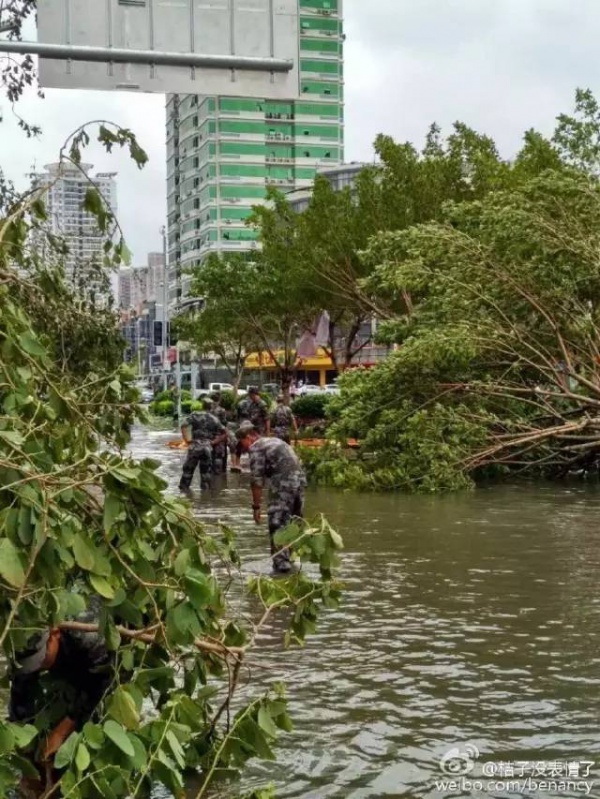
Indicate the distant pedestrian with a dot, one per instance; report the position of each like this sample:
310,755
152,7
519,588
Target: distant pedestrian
203,431
283,421
273,460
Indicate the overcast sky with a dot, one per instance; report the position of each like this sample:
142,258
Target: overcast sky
501,66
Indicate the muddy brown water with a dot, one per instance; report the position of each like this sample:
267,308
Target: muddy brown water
470,620
467,620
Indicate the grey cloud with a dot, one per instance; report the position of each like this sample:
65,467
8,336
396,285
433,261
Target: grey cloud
501,66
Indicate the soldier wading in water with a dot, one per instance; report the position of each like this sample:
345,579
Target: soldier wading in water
274,460
205,432
283,421
253,410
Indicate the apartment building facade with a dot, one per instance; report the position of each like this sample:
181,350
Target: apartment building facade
65,189
223,153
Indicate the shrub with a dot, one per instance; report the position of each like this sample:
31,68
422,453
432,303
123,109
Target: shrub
163,407
311,407
162,395
228,400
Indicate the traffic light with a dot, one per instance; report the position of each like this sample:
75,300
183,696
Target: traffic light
173,337
158,334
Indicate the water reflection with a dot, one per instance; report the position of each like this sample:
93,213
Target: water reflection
466,619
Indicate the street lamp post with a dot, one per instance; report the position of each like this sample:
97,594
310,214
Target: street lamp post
138,346
165,320
189,304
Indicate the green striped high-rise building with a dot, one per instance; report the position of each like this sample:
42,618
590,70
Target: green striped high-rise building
223,152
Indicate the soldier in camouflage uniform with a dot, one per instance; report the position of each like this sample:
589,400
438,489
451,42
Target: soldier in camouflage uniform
283,421
61,676
221,450
206,432
252,410
274,460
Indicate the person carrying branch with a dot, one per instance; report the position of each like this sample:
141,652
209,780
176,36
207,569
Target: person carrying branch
56,684
273,460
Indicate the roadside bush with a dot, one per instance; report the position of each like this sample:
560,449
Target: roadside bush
163,407
229,401
161,396
311,407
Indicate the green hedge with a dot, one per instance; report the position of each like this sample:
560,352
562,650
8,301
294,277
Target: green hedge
311,407
162,407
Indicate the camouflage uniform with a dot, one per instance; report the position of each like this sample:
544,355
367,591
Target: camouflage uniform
282,422
205,427
255,412
273,459
220,451
78,678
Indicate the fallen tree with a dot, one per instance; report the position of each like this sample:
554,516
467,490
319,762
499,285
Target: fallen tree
498,364
83,524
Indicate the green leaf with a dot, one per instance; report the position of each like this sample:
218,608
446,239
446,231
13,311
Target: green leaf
7,739
337,539
112,508
93,735
140,757
112,636
82,758
13,437
25,531
11,568
176,748
182,562
122,708
102,586
24,734
199,588
83,552
119,737
265,722
31,344
71,604
66,753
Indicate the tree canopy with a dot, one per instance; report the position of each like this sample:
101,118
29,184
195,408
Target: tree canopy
496,362
82,523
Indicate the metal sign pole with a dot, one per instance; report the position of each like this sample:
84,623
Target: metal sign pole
115,55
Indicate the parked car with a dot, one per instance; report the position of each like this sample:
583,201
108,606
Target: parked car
332,388
271,388
147,395
303,391
214,387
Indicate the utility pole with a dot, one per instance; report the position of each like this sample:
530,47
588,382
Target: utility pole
138,346
165,314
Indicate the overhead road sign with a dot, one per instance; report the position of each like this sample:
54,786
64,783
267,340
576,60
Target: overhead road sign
244,48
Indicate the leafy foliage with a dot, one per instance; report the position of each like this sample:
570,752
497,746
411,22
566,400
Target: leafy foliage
313,406
497,360
84,525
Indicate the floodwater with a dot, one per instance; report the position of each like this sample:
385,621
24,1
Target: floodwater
467,620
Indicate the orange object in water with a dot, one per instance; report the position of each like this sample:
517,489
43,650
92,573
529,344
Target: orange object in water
177,444
315,443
